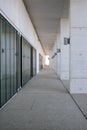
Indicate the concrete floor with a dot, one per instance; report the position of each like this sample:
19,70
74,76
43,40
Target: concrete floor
80,99
43,104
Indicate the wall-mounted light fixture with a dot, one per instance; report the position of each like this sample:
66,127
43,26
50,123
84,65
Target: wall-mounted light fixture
66,41
55,53
52,57
58,50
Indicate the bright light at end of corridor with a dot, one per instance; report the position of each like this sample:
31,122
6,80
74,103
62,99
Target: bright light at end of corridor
47,60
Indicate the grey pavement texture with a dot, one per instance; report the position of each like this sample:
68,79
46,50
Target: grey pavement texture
80,99
43,104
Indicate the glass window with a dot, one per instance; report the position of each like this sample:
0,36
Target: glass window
8,61
25,61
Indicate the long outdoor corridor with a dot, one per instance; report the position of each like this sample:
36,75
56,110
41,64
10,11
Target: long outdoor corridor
43,104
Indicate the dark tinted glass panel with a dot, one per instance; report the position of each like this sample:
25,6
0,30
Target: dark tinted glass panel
34,61
0,60
3,62
8,61
25,61
40,62
31,61
17,61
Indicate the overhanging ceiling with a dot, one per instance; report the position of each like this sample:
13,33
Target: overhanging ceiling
45,16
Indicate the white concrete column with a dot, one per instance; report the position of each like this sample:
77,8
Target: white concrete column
53,61
58,55
55,58
78,46
64,33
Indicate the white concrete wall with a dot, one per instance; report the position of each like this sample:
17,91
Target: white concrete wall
64,32
78,47
15,12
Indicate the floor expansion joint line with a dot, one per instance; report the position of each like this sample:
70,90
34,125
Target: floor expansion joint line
85,116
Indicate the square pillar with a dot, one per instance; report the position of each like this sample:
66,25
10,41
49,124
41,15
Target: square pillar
58,54
78,46
64,34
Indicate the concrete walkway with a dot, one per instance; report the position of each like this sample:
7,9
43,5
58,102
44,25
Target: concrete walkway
43,104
